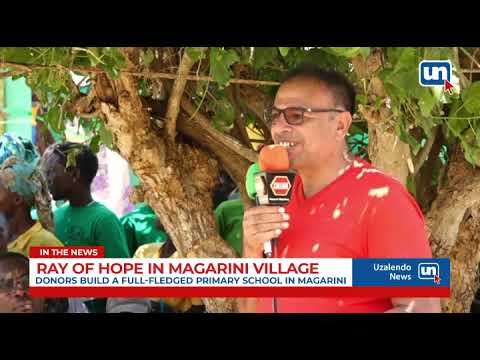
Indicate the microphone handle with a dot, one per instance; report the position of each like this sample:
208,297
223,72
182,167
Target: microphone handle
273,254
270,251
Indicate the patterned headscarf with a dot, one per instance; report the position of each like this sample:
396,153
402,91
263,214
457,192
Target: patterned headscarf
19,172
12,145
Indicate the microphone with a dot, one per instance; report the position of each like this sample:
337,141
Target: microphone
270,183
274,182
275,179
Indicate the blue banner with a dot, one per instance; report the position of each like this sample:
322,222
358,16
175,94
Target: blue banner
401,272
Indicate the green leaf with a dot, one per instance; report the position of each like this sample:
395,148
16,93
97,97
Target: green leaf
321,57
457,126
362,99
405,136
357,128
60,55
106,136
348,52
246,55
284,51
427,124
95,144
364,51
471,98
408,59
402,84
403,58
426,102
94,54
147,57
113,61
202,87
71,158
220,62
472,153
197,53
411,185
52,118
224,113
22,55
442,53
263,56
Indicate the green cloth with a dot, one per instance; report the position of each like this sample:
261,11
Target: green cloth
140,229
91,225
250,180
229,216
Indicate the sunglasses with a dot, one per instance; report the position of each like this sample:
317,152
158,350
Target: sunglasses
293,115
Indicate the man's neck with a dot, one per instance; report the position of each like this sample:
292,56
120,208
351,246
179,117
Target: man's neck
20,223
80,198
316,179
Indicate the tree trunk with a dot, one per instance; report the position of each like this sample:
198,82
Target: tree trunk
177,178
454,222
386,151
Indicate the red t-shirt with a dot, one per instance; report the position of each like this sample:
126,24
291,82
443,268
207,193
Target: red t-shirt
363,213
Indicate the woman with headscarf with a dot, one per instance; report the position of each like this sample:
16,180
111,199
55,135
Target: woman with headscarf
23,149
22,187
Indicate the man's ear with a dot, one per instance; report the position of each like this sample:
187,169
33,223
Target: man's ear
344,121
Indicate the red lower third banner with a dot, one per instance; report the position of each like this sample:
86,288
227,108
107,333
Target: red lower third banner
139,292
59,252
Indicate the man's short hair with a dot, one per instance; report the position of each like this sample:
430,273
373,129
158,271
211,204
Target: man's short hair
341,88
86,160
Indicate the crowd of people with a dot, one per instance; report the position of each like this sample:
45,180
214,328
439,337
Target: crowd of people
30,183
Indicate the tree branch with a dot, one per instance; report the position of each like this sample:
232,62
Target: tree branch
10,74
151,75
463,79
425,151
239,121
173,107
261,124
226,140
470,56
255,101
235,165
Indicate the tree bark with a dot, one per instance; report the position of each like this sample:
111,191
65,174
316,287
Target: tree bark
177,178
454,222
386,151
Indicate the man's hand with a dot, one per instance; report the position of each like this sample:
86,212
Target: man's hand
260,225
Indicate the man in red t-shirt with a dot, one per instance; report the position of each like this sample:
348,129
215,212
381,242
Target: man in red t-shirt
341,207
